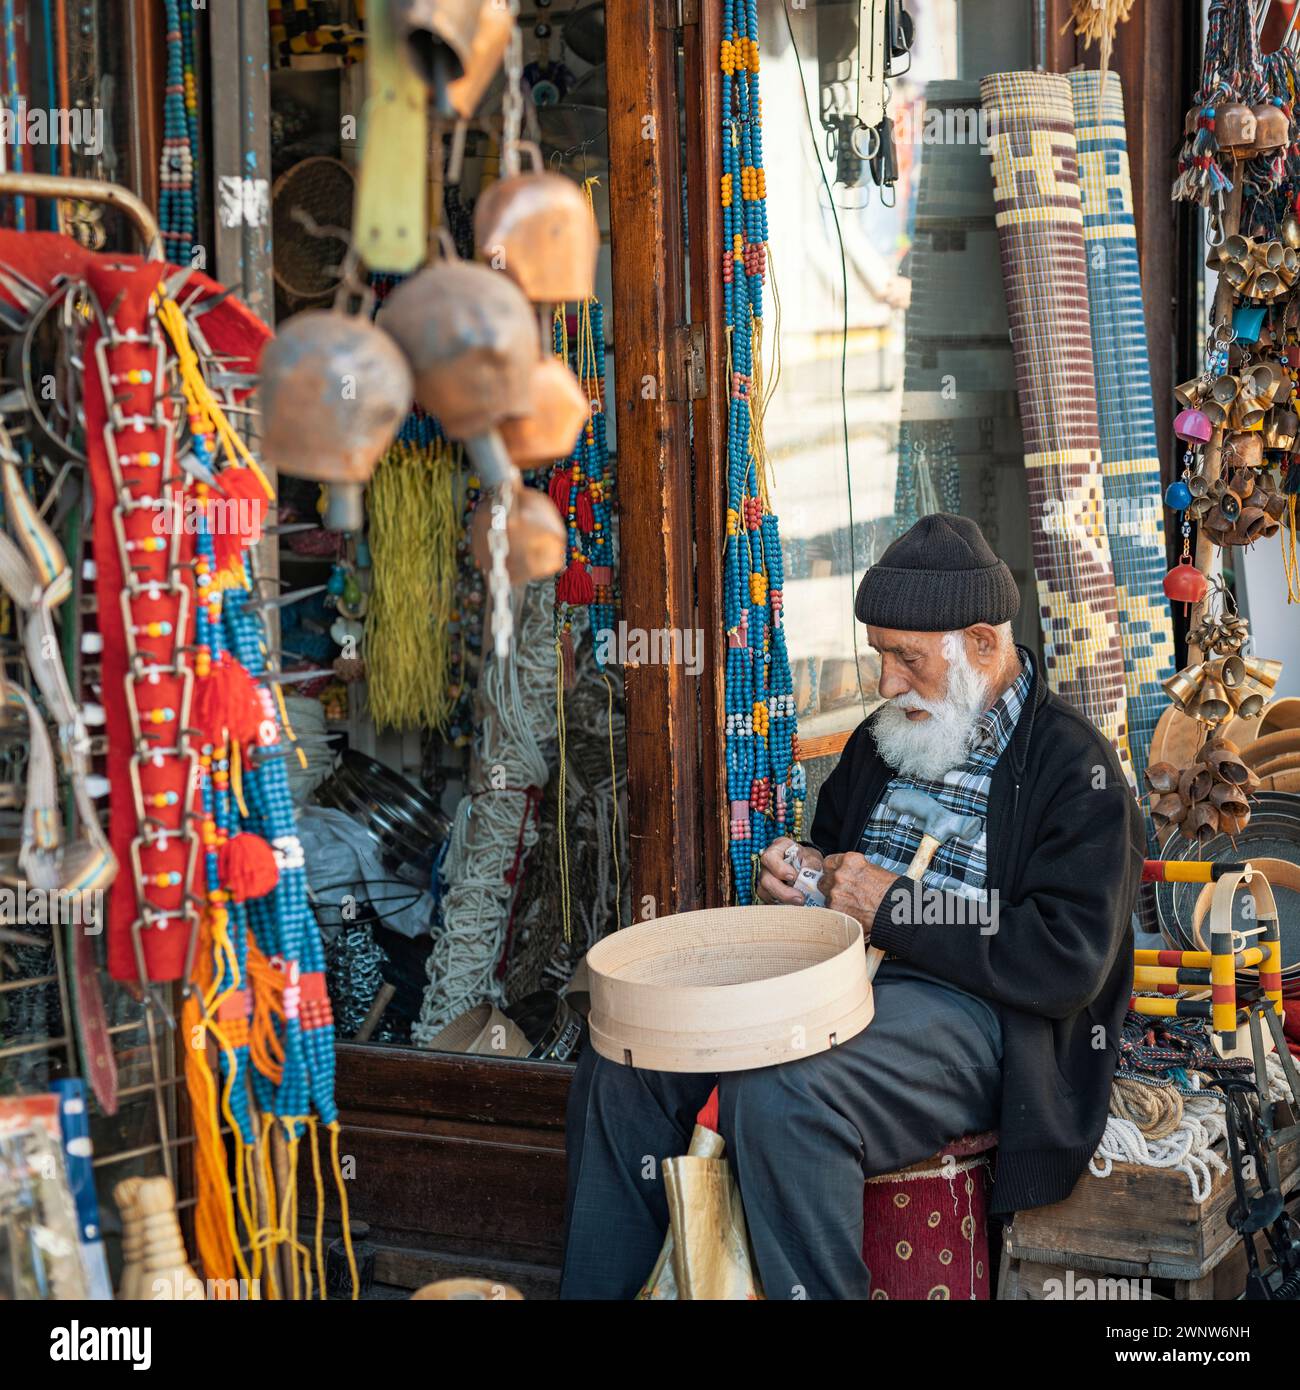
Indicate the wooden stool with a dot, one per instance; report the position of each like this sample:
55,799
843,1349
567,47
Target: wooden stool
925,1227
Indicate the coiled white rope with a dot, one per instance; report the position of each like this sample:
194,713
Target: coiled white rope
1190,1148
496,822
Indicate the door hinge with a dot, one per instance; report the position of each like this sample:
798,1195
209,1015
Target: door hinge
691,377
677,14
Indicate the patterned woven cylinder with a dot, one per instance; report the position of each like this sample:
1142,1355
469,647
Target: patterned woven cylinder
925,1232
1122,370
1040,233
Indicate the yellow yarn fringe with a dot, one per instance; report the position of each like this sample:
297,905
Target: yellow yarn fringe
413,531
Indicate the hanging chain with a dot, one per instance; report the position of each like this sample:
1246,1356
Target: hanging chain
512,105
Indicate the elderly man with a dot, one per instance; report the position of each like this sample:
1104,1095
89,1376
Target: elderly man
1008,970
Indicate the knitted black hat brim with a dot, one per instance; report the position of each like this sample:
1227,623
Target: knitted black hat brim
917,600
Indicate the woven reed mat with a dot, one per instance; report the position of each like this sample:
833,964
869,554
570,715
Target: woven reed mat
1122,371
1040,232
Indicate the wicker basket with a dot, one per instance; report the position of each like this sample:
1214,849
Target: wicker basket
729,989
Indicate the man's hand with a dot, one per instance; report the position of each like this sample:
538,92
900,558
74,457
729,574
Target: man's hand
778,874
852,884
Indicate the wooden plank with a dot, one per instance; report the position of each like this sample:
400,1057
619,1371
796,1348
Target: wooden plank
666,831
701,41
146,77
442,1085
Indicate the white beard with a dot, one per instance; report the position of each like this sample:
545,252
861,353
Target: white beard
928,748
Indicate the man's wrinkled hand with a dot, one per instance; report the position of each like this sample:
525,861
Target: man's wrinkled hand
775,882
853,885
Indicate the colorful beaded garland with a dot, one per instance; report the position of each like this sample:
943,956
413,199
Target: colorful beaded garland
765,783
177,203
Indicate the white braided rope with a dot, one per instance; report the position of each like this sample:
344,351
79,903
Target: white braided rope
1190,1148
516,716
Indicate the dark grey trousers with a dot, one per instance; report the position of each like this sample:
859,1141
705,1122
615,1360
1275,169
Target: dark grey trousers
801,1138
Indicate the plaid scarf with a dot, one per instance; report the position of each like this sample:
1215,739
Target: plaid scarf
958,866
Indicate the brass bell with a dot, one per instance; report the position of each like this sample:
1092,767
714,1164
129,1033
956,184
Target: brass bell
1280,430
560,410
1231,671
1191,393
1291,230
1238,248
334,392
1265,380
1225,389
534,532
1238,275
1215,413
471,340
491,39
1250,705
1272,129
1246,413
1213,707
436,37
1183,688
1234,126
1265,670
538,229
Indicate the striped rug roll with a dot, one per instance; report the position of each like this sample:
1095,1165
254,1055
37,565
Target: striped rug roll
1121,366
1040,233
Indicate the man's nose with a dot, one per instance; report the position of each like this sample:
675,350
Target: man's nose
892,683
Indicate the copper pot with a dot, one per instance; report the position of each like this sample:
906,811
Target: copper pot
1234,126
471,340
560,410
1272,129
491,39
436,37
538,228
534,531
334,392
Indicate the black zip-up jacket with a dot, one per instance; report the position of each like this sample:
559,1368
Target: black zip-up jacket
1065,849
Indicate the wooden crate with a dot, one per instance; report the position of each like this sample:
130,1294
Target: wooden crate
1138,1222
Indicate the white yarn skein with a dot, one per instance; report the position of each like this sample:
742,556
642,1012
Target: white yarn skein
516,713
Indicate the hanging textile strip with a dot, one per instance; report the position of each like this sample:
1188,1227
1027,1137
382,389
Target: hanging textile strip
177,206
1129,451
765,782
143,586
12,96
264,999
1040,230
413,534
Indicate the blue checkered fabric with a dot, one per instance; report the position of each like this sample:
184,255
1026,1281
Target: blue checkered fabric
958,866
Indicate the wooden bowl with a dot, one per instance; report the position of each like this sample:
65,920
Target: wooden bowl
729,989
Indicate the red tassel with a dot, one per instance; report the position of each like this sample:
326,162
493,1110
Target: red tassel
559,487
708,1115
586,518
574,585
226,702
237,514
246,867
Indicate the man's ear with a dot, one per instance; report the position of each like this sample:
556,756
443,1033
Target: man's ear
982,643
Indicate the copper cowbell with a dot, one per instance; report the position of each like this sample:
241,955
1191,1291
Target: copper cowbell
560,410
436,37
334,392
471,339
535,533
539,229
491,39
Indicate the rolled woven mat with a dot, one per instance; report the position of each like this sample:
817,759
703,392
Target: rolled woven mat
1122,372
1039,218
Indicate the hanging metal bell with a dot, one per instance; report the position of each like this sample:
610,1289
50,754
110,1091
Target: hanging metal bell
1178,496
538,229
436,37
534,532
1272,129
491,39
1281,428
334,392
1185,583
1231,670
1265,670
1234,126
1192,426
1264,380
471,340
1191,393
1183,688
560,410
1244,449
1291,230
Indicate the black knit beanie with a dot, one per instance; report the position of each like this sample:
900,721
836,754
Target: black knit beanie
940,576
